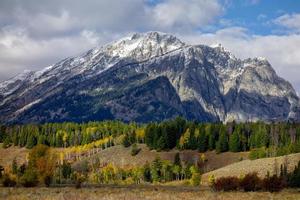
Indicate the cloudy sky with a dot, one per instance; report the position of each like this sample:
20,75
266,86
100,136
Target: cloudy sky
37,33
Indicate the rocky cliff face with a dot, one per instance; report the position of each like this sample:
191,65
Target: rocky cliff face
148,77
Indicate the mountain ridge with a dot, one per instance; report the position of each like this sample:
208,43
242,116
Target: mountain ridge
204,83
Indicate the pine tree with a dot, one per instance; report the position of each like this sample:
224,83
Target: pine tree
222,144
41,139
59,139
177,160
149,135
156,167
126,141
6,142
31,141
66,170
259,137
161,143
202,141
14,166
234,142
194,134
15,139
212,137
147,172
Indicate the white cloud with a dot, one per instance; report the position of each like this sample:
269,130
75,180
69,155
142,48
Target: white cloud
190,14
34,34
57,17
18,51
52,18
43,24
261,17
290,21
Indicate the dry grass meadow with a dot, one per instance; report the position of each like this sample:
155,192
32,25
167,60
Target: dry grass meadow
139,192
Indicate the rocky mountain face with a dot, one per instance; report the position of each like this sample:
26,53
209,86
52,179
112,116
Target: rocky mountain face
149,77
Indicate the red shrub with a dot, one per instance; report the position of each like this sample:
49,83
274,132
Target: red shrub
251,182
7,181
273,183
226,184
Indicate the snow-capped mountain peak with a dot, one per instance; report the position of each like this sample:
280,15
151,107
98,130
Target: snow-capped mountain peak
150,76
145,45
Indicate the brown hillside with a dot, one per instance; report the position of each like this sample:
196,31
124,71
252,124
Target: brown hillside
120,156
261,166
7,155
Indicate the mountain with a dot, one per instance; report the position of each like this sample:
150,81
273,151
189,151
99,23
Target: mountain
149,77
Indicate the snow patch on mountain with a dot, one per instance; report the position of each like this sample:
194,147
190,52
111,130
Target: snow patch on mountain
143,46
27,106
9,86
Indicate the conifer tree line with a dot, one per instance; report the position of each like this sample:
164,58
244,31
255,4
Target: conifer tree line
263,139
63,134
